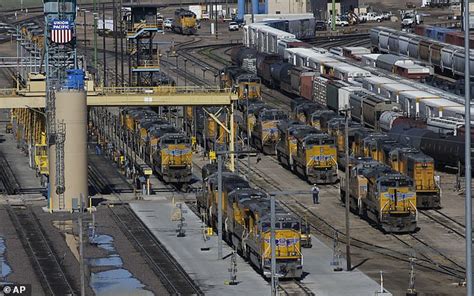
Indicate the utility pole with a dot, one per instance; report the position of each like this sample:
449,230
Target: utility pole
219,207
347,197
95,34
251,9
85,35
115,41
217,15
333,16
273,246
81,249
467,150
121,44
103,44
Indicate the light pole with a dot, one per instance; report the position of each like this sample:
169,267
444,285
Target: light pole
347,197
467,157
85,34
274,281
103,44
95,33
219,207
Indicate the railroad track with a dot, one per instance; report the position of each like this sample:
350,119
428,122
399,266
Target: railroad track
452,225
325,229
171,274
46,263
273,98
294,288
7,178
428,262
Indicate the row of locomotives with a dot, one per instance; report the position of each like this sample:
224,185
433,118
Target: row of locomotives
265,134
247,85
420,167
307,152
184,22
29,129
246,225
381,195
404,159
163,147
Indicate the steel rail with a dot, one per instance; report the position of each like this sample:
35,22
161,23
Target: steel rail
55,281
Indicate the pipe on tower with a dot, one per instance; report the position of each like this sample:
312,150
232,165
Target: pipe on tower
240,9
255,6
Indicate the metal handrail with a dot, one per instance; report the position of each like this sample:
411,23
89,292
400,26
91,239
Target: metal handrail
160,90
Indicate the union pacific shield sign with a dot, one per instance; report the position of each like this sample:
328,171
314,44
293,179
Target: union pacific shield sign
61,31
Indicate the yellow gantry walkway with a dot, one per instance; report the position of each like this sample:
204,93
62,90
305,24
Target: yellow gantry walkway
130,96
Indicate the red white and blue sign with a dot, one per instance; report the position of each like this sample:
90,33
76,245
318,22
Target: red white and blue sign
61,31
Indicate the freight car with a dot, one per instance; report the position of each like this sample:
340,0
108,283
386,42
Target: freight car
367,108
246,212
184,22
161,145
446,59
381,195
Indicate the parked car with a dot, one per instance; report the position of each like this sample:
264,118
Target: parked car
371,17
233,26
320,26
168,23
339,22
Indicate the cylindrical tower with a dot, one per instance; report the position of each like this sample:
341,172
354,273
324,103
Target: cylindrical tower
71,118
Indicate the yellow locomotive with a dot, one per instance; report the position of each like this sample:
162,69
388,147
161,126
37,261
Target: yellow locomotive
265,133
160,144
246,224
307,152
184,22
419,167
246,85
382,195
316,157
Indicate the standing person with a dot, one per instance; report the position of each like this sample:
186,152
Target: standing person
315,191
